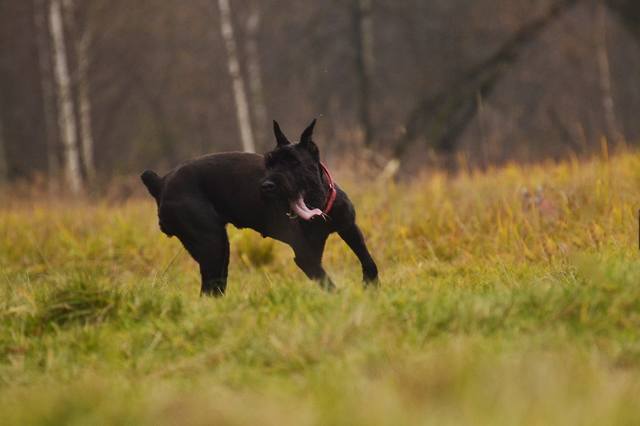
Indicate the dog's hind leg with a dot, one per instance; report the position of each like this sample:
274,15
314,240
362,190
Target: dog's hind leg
309,259
355,240
204,235
213,257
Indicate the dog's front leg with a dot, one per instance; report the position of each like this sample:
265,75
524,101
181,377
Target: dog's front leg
355,240
313,270
309,259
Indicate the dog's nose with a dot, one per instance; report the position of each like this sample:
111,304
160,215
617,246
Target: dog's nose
268,186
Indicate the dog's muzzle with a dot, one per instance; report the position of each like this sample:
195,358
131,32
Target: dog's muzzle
268,187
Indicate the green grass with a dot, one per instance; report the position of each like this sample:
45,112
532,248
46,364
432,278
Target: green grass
493,310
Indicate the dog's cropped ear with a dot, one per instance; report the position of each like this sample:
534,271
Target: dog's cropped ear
307,135
153,182
281,139
306,140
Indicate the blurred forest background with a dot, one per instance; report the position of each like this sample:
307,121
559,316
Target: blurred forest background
94,89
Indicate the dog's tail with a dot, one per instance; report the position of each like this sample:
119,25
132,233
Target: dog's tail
153,182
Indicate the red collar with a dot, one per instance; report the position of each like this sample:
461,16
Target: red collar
331,198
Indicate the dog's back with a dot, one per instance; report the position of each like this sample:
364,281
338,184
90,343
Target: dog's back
228,181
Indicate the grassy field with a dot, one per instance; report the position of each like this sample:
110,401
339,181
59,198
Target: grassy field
508,297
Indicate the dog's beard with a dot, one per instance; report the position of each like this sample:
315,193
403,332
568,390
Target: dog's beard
294,187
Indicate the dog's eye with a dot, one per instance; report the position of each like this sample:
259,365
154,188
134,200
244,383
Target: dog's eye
292,160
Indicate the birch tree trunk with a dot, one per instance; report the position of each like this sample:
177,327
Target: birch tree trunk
66,117
239,92
363,27
254,71
48,95
614,131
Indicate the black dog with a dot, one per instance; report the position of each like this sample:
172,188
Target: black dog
288,195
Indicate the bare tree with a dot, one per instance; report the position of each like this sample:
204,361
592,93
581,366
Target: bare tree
239,92
84,102
629,12
440,120
614,131
363,31
254,71
48,95
66,117
4,169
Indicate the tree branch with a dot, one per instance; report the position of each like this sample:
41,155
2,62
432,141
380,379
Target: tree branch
441,119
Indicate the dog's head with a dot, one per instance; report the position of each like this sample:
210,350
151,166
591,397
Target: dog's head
294,175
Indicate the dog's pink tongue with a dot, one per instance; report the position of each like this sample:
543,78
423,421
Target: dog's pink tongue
301,209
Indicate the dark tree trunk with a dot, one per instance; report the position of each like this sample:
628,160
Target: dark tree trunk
4,166
363,36
254,75
48,94
629,12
